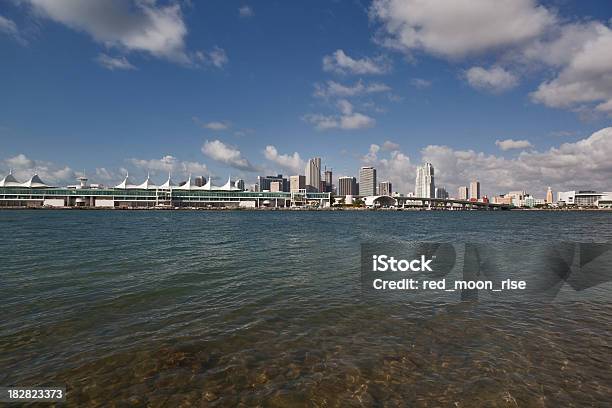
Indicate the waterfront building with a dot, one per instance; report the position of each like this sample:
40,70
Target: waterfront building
276,186
313,174
425,185
239,184
367,181
475,190
584,198
440,192
385,188
549,196
36,193
347,186
502,199
463,193
297,183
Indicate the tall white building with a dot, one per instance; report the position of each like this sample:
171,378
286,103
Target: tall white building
463,193
313,174
367,181
475,190
425,186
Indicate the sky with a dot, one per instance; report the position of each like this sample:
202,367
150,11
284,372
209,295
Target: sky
514,93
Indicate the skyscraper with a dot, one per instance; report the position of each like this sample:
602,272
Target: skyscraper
239,184
328,181
313,174
475,190
549,196
264,182
347,186
463,193
425,185
385,188
441,192
297,183
367,181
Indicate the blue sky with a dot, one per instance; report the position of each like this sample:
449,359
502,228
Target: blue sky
516,95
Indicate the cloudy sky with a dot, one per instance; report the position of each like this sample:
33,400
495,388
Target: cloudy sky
516,93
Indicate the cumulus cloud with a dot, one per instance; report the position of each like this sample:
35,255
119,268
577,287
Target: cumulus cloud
341,63
495,79
393,165
24,167
246,11
169,164
130,25
584,164
510,144
293,163
457,28
347,120
113,63
332,89
219,151
586,77
389,145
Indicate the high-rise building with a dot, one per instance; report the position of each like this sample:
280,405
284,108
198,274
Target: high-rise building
313,173
441,192
475,190
425,185
239,184
367,181
264,182
549,196
329,185
297,183
463,193
276,186
347,186
385,188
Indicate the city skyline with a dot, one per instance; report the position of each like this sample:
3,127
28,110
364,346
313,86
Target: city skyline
215,91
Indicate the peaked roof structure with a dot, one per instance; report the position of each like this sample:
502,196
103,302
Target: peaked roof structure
229,186
125,183
9,181
187,185
34,182
208,185
169,183
147,184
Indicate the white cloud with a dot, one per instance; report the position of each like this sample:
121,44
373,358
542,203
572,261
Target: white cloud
510,144
584,164
170,164
332,89
420,83
293,163
395,166
216,57
347,120
389,145
131,25
495,79
8,26
113,63
586,78
212,125
24,167
229,155
246,11
457,28
341,63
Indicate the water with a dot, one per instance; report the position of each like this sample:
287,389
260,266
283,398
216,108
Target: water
221,308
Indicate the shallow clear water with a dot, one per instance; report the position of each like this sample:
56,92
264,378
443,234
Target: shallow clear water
222,308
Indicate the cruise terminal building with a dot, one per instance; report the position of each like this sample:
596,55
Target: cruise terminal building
34,193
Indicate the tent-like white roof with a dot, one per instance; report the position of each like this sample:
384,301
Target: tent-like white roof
186,186
229,186
126,183
9,181
34,182
168,184
147,184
